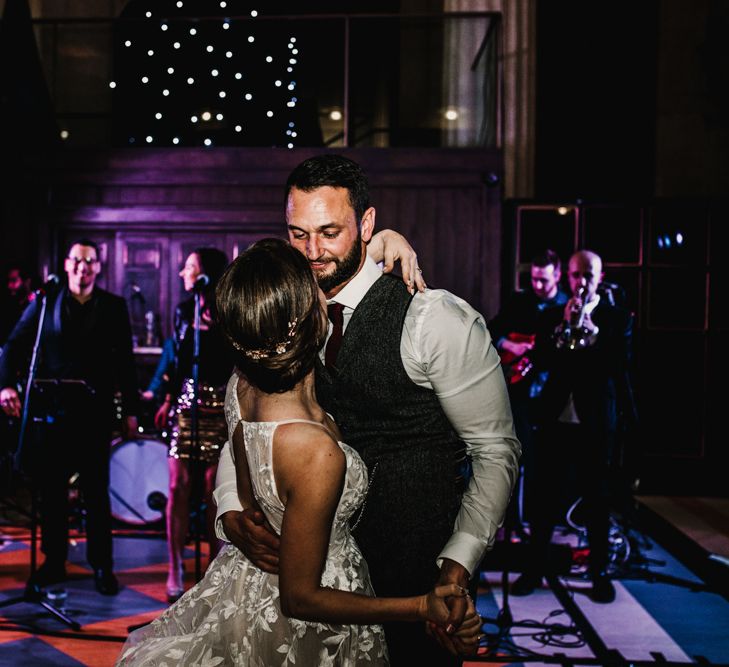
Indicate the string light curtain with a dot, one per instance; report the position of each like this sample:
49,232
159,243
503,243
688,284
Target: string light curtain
201,73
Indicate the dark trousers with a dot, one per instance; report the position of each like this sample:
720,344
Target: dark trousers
76,442
571,459
521,408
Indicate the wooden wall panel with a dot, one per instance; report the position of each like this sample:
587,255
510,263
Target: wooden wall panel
446,201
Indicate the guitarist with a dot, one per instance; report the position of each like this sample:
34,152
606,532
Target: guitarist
513,330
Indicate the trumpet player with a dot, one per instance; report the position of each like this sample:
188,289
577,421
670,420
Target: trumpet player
586,348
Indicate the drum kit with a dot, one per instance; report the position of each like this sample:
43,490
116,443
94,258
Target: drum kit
138,480
138,473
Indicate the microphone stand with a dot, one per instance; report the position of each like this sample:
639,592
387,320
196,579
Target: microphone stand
196,491
33,593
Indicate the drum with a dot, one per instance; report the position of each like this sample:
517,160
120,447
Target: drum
139,480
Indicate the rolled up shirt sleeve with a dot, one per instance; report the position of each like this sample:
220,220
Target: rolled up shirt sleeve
226,490
446,346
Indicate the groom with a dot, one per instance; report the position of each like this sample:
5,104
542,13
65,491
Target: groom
416,388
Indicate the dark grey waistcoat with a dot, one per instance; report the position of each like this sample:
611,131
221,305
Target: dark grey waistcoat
409,446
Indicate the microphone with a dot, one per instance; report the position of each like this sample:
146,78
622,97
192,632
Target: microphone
51,281
201,282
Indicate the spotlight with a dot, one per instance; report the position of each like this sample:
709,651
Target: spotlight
207,142
112,84
206,115
451,114
64,134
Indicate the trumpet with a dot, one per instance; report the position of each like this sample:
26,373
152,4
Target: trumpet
572,334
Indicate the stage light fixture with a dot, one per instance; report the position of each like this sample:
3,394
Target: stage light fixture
208,142
158,116
206,115
269,114
112,84
209,48
149,139
64,134
335,114
145,79
175,140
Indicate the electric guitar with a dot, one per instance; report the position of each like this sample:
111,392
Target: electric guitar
516,368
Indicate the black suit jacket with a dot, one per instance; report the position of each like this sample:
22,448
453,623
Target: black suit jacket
106,362
520,314
596,376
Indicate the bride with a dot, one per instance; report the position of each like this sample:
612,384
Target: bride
320,609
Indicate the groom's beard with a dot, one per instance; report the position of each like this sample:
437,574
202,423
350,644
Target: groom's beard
344,269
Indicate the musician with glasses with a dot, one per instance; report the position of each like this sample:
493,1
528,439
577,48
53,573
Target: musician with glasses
585,346
86,343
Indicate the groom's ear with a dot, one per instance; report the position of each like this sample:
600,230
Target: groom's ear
367,224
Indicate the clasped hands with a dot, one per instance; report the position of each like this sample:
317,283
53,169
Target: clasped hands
459,634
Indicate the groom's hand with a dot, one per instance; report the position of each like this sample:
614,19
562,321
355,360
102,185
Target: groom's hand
453,573
252,534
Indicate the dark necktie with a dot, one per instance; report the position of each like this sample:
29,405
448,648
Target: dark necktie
335,313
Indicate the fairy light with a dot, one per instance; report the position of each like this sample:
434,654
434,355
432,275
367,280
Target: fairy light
181,111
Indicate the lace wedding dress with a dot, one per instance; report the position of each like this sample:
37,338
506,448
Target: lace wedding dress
233,615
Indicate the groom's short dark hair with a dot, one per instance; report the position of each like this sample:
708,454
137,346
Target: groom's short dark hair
335,171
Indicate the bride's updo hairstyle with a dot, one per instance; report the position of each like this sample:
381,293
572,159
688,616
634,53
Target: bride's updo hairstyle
269,309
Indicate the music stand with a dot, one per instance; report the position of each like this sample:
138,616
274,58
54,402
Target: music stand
33,594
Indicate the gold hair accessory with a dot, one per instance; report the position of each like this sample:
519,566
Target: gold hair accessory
274,349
